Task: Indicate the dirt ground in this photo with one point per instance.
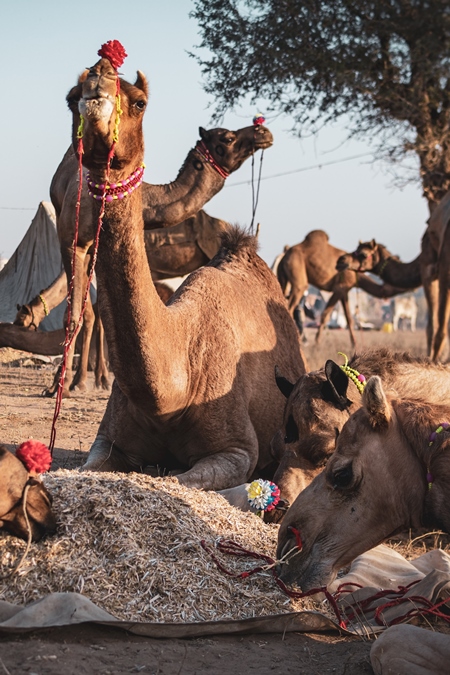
(87, 649)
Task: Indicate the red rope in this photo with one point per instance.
(69, 338)
(352, 611)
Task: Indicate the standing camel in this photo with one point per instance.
(313, 261)
(218, 153)
(371, 256)
(194, 388)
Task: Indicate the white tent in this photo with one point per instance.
(34, 265)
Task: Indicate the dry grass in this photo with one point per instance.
(131, 544)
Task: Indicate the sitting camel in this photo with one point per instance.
(371, 256)
(390, 472)
(320, 402)
(20, 488)
(313, 261)
(218, 153)
(194, 388)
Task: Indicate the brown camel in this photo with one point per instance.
(218, 153)
(390, 472)
(320, 402)
(181, 249)
(31, 314)
(194, 388)
(371, 256)
(313, 261)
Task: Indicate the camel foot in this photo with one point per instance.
(103, 383)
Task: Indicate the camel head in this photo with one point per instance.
(230, 149)
(373, 486)
(363, 259)
(18, 485)
(24, 317)
(316, 409)
(94, 99)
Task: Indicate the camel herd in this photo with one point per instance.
(211, 383)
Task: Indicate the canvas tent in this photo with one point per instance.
(34, 265)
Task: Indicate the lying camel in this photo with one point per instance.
(320, 402)
(371, 256)
(313, 261)
(19, 486)
(390, 472)
(193, 388)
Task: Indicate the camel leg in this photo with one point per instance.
(79, 381)
(444, 299)
(326, 315)
(101, 370)
(220, 471)
(349, 319)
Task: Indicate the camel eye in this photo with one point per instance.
(342, 477)
(140, 105)
(291, 431)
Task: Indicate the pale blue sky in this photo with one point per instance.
(45, 45)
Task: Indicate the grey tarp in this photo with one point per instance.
(380, 568)
(34, 265)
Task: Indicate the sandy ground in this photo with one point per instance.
(24, 413)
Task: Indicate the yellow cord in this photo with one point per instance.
(353, 375)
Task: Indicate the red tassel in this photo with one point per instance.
(35, 456)
(114, 52)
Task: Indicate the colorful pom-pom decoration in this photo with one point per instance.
(263, 495)
(114, 52)
(258, 119)
(35, 456)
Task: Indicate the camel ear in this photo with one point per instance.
(376, 404)
(204, 135)
(373, 243)
(18, 307)
(283, 384)
(141, 82)
(334, 389)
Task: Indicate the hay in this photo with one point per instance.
(131, 544)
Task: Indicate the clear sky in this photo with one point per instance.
(45, 44)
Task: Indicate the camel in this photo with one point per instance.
(32, 313)
(313, 261)
(218, 153)
(410, 650)
(21, 487)
(404, 308)
(320, 402)
(370, 256)
(181, 249)
(194, 389)
(390, 472)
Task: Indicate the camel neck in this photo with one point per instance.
(197, 182)
(134, 316)
(397, 273)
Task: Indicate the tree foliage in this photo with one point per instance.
(385, 64)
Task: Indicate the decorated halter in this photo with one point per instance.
(263, 495)
(116, 54)
(433, 436)
(258, 120)
(353, 375)
(111, 191)
(205, 154)
(44, 304)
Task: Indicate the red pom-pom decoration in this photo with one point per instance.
(258, 119)
(114, 52)
(35, 456)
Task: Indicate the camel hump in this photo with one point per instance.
(235, 241)
(316, 236)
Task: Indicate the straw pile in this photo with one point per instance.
(131, 544)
